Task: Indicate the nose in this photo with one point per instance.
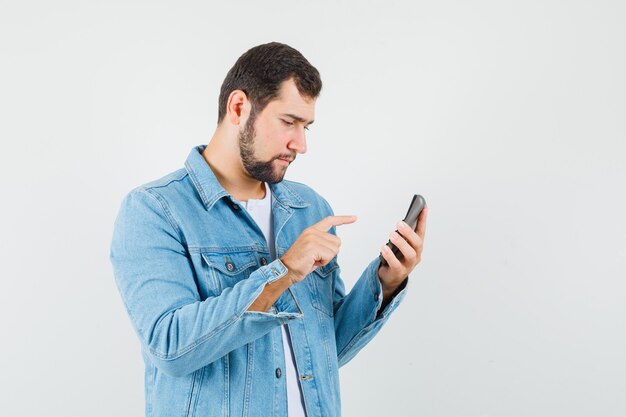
(298, 141)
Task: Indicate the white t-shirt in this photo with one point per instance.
(261, 212)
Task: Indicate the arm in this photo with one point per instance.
(179, 331)
(271, 293)
(360, 314)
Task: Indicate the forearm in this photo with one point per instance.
(271, 293)
(182, 333)
(179, 329)
(361, 313)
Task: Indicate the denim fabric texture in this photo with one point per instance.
(188, 261)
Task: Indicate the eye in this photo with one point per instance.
(287, 123)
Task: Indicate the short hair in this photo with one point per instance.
(261, 70)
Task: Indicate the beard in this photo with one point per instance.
(260, 170)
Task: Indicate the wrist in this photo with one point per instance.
(390, 291)
(291, 276)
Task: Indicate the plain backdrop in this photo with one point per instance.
(509, 117)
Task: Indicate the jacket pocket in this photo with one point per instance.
(223, 270)
(322, 288)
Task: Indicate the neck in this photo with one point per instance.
(222, 156)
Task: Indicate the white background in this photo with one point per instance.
(507, 116)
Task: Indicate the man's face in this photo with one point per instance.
(270, 140)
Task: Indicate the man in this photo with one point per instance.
(229, 273)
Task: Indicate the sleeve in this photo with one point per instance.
(153, 272)
(357, 315)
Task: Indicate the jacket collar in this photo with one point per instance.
(210, 190)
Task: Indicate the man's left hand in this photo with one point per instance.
(410, 242)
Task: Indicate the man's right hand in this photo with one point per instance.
(314, 247)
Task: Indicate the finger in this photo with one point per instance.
(327, 222)
(324, 256)
(421, 223)
(408, 234)
(391, 259)
(330, 242)
(407, 251)
(317, 241)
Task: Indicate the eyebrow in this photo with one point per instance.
(298, 118)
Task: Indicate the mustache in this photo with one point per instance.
(290, 158)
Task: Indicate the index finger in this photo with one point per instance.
(330, 221)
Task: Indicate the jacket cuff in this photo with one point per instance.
(274, 270)
(286, 308)
(377, 291)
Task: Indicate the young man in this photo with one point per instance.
(229, 273)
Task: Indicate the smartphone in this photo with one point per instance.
(415, 208)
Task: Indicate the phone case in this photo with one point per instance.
(415, 208)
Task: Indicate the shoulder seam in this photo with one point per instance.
(155, 184)
(168, 214)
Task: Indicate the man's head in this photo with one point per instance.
(270, 94)
(260, 72)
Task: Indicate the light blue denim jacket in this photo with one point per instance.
(189, 261)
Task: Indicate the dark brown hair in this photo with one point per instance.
(260, 72)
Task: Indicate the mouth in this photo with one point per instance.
(285, 161)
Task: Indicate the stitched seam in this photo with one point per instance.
(228, 249)
(353, 341)
(231, 274)
(168, 214)
(196, 183)
(209, 335)
(193, 345)
(189, 400)
(249, 375)
(155, 184)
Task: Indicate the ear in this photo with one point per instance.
(237, 107)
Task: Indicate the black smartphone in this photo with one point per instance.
(415, 208)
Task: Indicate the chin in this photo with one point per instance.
(278, 178)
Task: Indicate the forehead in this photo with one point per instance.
(289, 101)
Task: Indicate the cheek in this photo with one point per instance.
(273, 141)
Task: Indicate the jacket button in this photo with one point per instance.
(263, 260)
(230, 266)
(278, 372)
(233, 205)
